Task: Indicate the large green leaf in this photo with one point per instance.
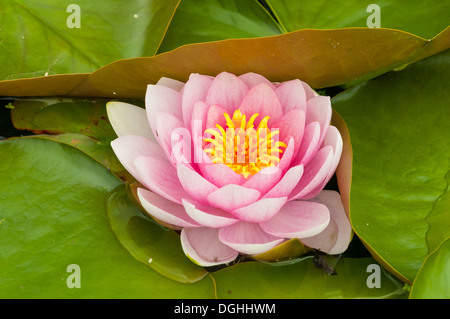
(305, 280)
(423, 18)
(212, 20)
(399, 128)
(53, 215)
(433, 279)
(37, 37)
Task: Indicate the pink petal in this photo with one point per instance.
(160, 177)
(226, 90)
(215, 116)
(298, 219)
(203, 247)
(160, 98)
(292, 96)
(287, 155)
(292, 125)
(198, 127)
(195, 184)
(171, 83)
(309, 144)
(319, 110)
(260, 210)
(252, 79)
(334, 140)
(247, 238)
(232, 197)
(173, 134)
(337, 236)
(129, 147)
(221, 175)
(129, 119)
(265, 179)
(309, 92)
(194, 91)
(207, 215)
(262, 99)
(315, 172)
(285, 186)
(165, 210)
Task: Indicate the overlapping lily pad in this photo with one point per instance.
(48, 37)
(398, 127)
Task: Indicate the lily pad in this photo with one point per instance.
(305, 280)
(53, 217)
(433, 279)
(79, 37)
(398, 128)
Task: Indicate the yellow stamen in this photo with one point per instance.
(243, 148)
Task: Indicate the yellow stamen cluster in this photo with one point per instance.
(243, 148)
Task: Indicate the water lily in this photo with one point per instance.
(237, 163)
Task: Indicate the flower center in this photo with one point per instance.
(243, 148)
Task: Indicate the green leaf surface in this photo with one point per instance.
(40, 38)
(305, 280)
(153, 245)
(433, 279)
(53, 215)
(399, 128)
(423, 18)
(82, 123)
(213, 20)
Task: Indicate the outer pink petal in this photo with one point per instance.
(310, 93)
(195, 184)
(194, 91)
(198, 127)
(203, 247)
(169, 127)
(248, 238)
(315, 173)
(292, 125)
(309, 144)
(207, 215)
(160, 98)
(292, 96)
(232, 197)
(298, 219)
(265, 179)
(129, 119)
(319, 110)
(251, 79)
(171, 83)
(337, 236)
(285, 186)
(334, 140)
(226, 90)
(165, 210)
(262, 99)
(221, 175)
(129, 147)
(160, 177)
(260, 210)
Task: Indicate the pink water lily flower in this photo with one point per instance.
(237, 163)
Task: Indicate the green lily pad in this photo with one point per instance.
(213, 20)
(433, 279)
(82, 123)
(45, 37)
(423, 18)
(53, 217)
(398, 128)
(305, 280)
(153, 245)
